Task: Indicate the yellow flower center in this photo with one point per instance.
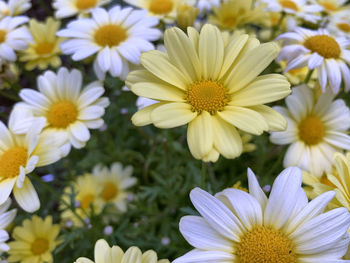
(40, 246)
(329, 6)
(311, 130)
(207, 95)
(62, 114)
(289, 4)
(263, 244)
(3, 34)
(12, 160)
(324, 45)
(324, 180)
(44, 48)
(86, 200)
(109, 191)
(85, 4)
(110, 35)
(230, 21)
(344, 27)
(161, 6)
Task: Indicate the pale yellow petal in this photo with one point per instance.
(143, 116)
(194, 37)
(172, 115)
(132, 255)
(200, 135)
(149, 257)
(274, 119)
(157, 91)
(244, 119)
(212, 156)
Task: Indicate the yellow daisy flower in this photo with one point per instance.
(211, 87)
(34, 241)
(114, 183)
(234, 13)
(106, 254)
(87, 192)
(44, 49)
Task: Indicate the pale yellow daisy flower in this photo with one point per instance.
(44, 49)
(114, 183)
(106, 254)
(211, 87)
(34, 241)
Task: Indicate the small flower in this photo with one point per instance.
(67, 8)
(118, 36)
(186, 15)
(14, 7)
(13, 37)
(316, 130)
(69, 111)
(114, 183)
(44, 49)
(34, 241)
(212, 87)
(318, 50)
(235, 226)
(6, 218)
(333, 7)
(103, 254)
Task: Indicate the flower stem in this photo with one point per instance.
(308, 76)
(204, 175)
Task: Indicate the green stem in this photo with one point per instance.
(204, 175)
(276, 27)
(9, 96)
(308, 76)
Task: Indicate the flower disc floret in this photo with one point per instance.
(324, 45)
(3, 34)
(85, 4)
(110, 35)
(12, 160)
(288, 4)
(62, 114)
(40, 246)
(161, 6)
(311, 130)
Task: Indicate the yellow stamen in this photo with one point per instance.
(329, 6)
(263, 244)
(311, 130)
(160, 7)
(44, 48)
(86, 200)
(109, 191)
(62, 114)
(324, 45)
(110, 35)
(344, 27)
(289, 4)
(40, 246)
(12, 160)
(3, 34)
(85, 4)
(207, 95)
(230, 21)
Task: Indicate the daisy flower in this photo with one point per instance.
(20, 154)
(211, 87)
(34, 241)
(339, 25)
(239, 227)
(44, 49)
(234, 13)
(318, 50)
(118, 36)
(67, 8)
(299, 8)
(87, 193)
(6, 218)
(69, 111)
(13, 37)
(333, 7)
(316, 129)
(162, 9)
(14, 7)
(114, 183)
(106, 254)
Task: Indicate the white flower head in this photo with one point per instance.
(14, 7)
(68, 8)
(117, 36)
(13, 36)
(68, 109)
(319, 50)
(235, 226)
(316, 130)
(6, 217)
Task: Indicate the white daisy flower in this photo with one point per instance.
(68, 8)
(339, 25)
(241, 227)
(317, 128)
(6, 218)
(333, 7)
(14, 7)
(69, 111)
(299, 8)
(118, 36)
(20, 154)
(318, 50)
(12, 37)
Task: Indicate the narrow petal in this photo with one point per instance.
(27, 197)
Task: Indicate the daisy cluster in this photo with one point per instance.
(113, 112)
